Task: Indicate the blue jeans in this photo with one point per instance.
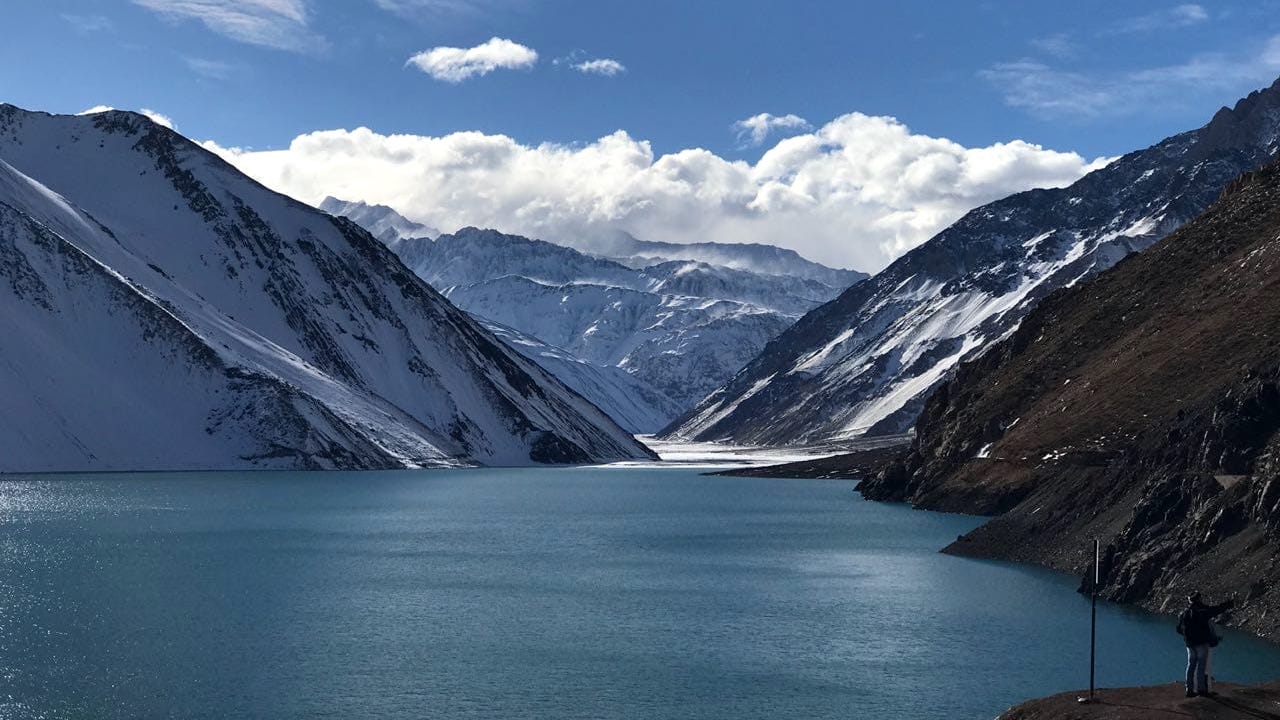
(1197, 666)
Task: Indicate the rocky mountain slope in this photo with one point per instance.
(162, 311)
(1143, 408)
(678, 327)
(865, 362)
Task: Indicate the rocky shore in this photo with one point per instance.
(1233, 702)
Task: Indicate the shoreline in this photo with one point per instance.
(990, 540)
(1154, 701)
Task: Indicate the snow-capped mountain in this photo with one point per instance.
(1140, 409)
(865, 362)
(679, 327)
(161, 311)
(751, 257)
(386, 224)
(623, 396)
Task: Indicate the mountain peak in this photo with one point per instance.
(1253, 121)
(865, 362)
(167, 312)
(384, 222)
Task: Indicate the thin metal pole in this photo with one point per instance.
(1093, 620)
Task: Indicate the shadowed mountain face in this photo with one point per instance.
(865, 362)
(1141, 407)
(163, 311)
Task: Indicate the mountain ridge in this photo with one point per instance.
(865, 362)
(1138, 408)
(379, 370)
(677, 327)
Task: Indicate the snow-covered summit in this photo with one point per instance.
(163, 311)
(865, 362)
(679, 327)
(752, 257)
(385, 223)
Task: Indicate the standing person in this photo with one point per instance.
(1195, 625)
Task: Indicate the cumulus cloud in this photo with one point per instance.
(279, 24)
(156, 117)
(454, 65)
(753, 131)
(600, 66)
(1051, 92)
(857, 192)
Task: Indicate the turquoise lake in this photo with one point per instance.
(547, 593)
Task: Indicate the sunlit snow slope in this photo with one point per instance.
(161, 311)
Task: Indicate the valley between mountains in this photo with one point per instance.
(1089, 361)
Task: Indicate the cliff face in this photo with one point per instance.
(1141, 407)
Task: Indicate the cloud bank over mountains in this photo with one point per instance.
(857, 192)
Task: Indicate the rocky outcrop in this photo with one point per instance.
(1142, 408)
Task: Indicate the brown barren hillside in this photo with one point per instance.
(1141, 407)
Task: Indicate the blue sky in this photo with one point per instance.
(1094, 78)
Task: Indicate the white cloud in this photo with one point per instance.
(600, 66)
(280, 24)
(1178, 16)
(857, 192)
(754, 130)
(1051, 93)
(156, 117)
(454, 65)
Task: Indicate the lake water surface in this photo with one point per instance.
(582, 593)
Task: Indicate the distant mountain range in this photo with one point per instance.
(384, 223)
(865, 362)
(162, 311)
(678, 319)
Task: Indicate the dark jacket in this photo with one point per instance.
(1194, 625)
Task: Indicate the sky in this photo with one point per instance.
(849, 131)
